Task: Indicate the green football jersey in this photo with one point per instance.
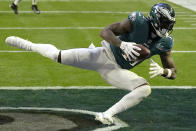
(141, 32)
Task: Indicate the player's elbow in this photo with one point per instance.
(104, 33)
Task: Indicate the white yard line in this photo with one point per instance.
(117, 122)
(74, 28)
(175, 51)
(17, 51)
(182, 15)
(86, 87)
(190, 21)
(13, 51)
(78, 0)
(183, 18)
(184, 28)
(50, 28)
(73, 12)
(86, 12)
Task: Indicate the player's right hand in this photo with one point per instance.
(129, 49)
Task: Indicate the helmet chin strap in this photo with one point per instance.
(158, 32)
(161, 35)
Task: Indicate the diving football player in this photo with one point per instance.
(118, 54)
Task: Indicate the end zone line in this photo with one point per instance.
(75, 28)
(15, 51)
(85, 87)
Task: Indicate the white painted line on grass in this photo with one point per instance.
(9, 51)
(86, 87)
(184, 28)
(73, 0)
(117, 122)
(175, 51)
(74, 12)
(13, 51)
(87, 12)
(74, 28)
(182, 15)
(185, 18)
(191, 21)
(50, 28)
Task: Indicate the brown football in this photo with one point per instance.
(144, 52)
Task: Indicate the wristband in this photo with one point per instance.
(169, 73)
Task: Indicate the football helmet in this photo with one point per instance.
(162, 18)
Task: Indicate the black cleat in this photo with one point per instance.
(35, 9)
(14, 8)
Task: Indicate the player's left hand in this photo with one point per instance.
(155, 69)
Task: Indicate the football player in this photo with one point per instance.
(118, 54)
(14, 6)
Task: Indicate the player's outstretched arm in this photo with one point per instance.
(168, 70)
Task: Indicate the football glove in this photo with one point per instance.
(129, 49)
(155, 69)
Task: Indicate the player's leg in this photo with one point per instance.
(86, 58)
(46, 50)
(127, 80)
(34, 7)
(14, 6)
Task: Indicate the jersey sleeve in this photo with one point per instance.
(165, 44)
(137, 19)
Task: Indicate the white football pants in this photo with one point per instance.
(102, 60)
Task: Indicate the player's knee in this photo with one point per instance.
(143, 91)
(47, 50)
(54, 55)
(147, 90)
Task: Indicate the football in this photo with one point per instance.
(144, 52)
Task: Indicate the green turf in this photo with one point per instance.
(30, 69)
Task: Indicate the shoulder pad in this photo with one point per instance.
(137, 16)
(165, 44)
(138, 19)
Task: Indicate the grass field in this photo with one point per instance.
(60, 24)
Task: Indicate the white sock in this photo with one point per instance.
(34, 2)
(46, 50)
(16, 2)
(131, 99)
